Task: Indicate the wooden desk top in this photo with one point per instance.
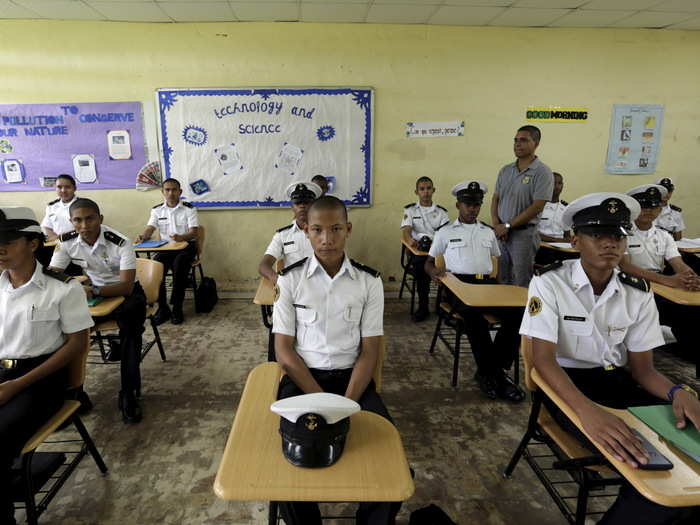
(106, 307)
(558, 247)
(677, 487)
(171, 246)
(677, 295)
(689, 250)
(373, 466)
(265, 295)
(485, 294)
(411, 249)
(51, 243)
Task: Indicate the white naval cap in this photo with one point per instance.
(614, 211)
(470, 191)
(331, 407)
(649, 195)
(16, 221)
(303, 191)
(666, 182)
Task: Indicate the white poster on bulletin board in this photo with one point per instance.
(635, 138)
(233, 148)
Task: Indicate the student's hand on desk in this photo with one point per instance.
(8, 390)
(439, 274)
(177, 237)
(613, 435)
(139, 239)
(691, 281)
(686, 405)
(501, 231)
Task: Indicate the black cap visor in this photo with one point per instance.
(11, 235)
(601, 229)
(471, 198)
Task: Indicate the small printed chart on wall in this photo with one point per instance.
(635, 138)
(100, 143)
(241, 148)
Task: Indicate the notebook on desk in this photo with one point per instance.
(660, 419)
(150, 244)
(94, 301)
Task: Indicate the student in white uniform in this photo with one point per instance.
(648, 250)
(57, 218)
(593, 330)
(322, 183)
(327, 321)
(670, 219)
(109, 260)
(177, 221)
(44, 323)
(420, 222)
(550, 225)
(289, 242)
(467, 246)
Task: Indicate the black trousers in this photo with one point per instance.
(181, 263)
(130, 317)
(21, 417)
(617, 389)
(681, 318)
(490, 356)
(308, 513)
(422, 279)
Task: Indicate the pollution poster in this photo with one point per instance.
(635, 138)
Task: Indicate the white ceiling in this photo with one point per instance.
(658, 14)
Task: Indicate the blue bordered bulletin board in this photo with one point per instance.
(241, 148)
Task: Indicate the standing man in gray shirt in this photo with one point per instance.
(522, 189)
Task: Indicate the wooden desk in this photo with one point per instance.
(373, 466)
(265, 295)
(491, 295)
(52, 243)
(106, 307)
(558, 247)
(677, 295)
(414, 251)
(677, 487)
(172, 246)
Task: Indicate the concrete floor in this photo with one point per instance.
(162, 470)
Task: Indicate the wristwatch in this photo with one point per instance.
(507, 225)
(95, 291)
(680, 386)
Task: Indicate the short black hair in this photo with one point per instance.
(534, 131)
(67, 177)
(84, 203)
(328, 202)
(319, 177)
(558, 175)
(424, 179)
(175, 181)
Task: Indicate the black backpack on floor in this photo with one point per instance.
(205, 297)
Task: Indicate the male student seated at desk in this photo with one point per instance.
(467, 246)
(177, 221)
(327, 320)
(593, 330)
(648, 249)
(420, 220)
(670, 218)
(550, 226)
(290, 242)
(44, 323)
(109, 260)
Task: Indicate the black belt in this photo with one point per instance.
(330, 373)
(24, 364)
(471, 277)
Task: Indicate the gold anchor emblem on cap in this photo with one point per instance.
(612, 207)
(311, 422)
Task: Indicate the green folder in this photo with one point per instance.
(94, 301)
(661, 419)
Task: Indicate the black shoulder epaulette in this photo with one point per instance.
(443, 209)
(486, 224)
(297, 264)
(549, 267)
(67, 236)
(443, 224)
(564, 203)
(187, 204)
(54, 201)
(157, 206)
(635, 282)
(409, 205)
(113, 237)
(285, 228)
(57, 275)
(675, 208)
(371, 271)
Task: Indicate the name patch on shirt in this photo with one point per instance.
(455, 240)
(288, 243)
(162, 218)
(573, 318)
(419, 217)
(635, 245)
(295, 305)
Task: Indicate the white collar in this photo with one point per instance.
(178, 205)
(457, 222)
(100, 239)
(38, 279)
(67, 204)
(347, 266)
(581, 281)
(429, 208)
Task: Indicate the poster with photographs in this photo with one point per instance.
(635, 138)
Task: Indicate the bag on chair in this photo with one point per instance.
(205, 297)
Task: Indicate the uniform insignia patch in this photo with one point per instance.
(54, 201)
(535, 305)
(526, 180)
(675, 208)
(311, 422)
(67, 236)
(613, 206)
(276, 291)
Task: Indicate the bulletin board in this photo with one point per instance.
(241, 148)
(100, 143)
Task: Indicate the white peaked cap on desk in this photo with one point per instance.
(332, 407)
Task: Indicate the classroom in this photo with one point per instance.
(476, 74)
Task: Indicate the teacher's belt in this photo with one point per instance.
(523, 227)
(26, 364)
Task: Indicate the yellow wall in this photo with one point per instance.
(486, 76)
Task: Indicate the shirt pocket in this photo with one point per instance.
(290, 247)
(486, 243)
(578, 326)
(352, 315)
(41, 320)
(308, 334)
(455, 244)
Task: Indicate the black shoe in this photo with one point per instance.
(162, 315)
(130, 407)
(178, 316)
(507, 389)
(487, 384)
(115, 349)
(421, 314)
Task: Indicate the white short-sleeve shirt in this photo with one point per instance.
(550, 220)
(467, 248)
(171, 221)
(36, 317)
(651, 248)
(424, 220)
(670, 219)
(327, 316)
(102, 262)
(57, 216)
(590, 332)
(290, 244)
